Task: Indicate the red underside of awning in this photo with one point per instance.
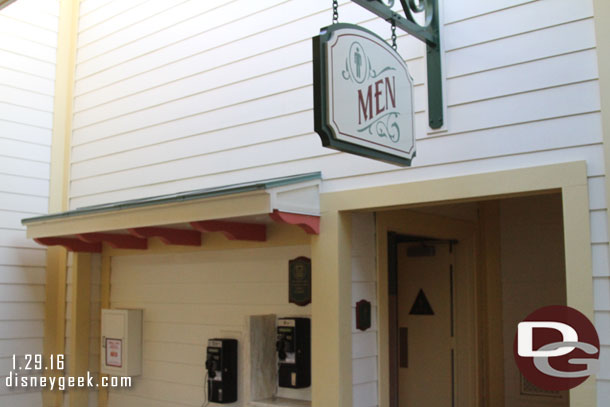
(137, 238)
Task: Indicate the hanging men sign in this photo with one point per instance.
(363, 95)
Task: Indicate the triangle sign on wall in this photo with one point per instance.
(421, 306)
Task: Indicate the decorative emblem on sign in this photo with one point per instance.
(363, 95)
(385, 125)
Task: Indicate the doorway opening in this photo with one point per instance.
(459, 279)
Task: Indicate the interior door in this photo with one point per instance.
(425, 314)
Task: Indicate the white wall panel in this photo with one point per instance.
(12, 204)
(23, 311)
(599, 231)
(28, 38)
(24, 133)
(531, 16)
(28, 64)
(521, 48)
(27, 81)
(604, 363)
(25, 150)
(365, 395)
(22, 28)
(97, 123)
(602, 323)
(597, 197)
(98, 19)
(25, 168)
(455, 12)
(23, 46)
(219, 46)
(540, 74)
(25, 115)
(364, 286)
(599, 253)
(434, 151)
(603, 392)
(601, 288)
(178, 23)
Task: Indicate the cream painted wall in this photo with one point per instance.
(188, 298)
(28, 40)
(533, 276)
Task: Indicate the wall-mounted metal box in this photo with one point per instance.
(121, 347)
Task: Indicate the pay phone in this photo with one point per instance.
(293, 352)
(221, 364)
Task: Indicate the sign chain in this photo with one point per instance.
(335, 11)
(394, 46)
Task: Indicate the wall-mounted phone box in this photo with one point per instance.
(221, 364)
(121, 347)
(294, 352)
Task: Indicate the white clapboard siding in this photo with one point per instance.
(28, 64)
(569, 37)
(28, 38)
(27, 168)
(12, 204)
(17, 132)
(95, 12)
(220, 45)
(529, 17)
(125, 123)
(173, 96)
(441, 150)
(189, 298)
(178, 23)
(456, 12)
(20, 97)
(25, 47)
(364, 286)
(12, 26)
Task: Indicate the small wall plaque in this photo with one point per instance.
(363, 315)
(299, 281)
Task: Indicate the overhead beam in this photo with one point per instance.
(116, 240)
(72, 244)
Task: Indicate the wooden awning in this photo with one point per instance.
(239, 211)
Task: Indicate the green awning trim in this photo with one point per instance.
(181, 196)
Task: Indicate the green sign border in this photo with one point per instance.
(320, 102)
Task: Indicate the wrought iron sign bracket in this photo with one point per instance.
(428, 33)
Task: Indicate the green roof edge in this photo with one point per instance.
(181, 196)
